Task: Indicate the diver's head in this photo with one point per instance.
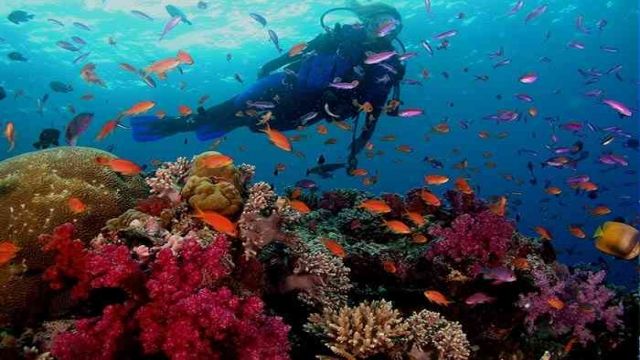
(381, 21)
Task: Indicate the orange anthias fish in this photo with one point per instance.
(419, 238)
(389, 266)
(436, 179)
(76, 205)
(552, 190)
(139, 108)
(533, 112)
(376, 206)
(122, 166)
(430, 198)
(588, 186)
(397, 227)
(404, 149)
(335, 248)
(184, 57)
(463, 186)
(543, 232)
(215, 161)
(577, 231)
(359, 172)
(437, 297)
(297, 49)
(322, 130)
(161, 67)
(555, 303)
(442, 128)
(218, 222)
(8, 251)
(300, 206)
(107, 129)
(500, 206)
(184, 110)
(416, 218)
(600, 210)
(277, 138)
(10, 135)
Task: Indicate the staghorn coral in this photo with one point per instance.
(432, 333)
(176, 306)
(473, 242)
(585, 302)
(370, 328)
(204, 194)
(35, 198)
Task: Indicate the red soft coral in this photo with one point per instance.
(473, 241)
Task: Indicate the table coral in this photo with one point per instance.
(35, 194)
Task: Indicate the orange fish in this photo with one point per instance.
(215, 161)
(600, 210)
(577, 231)
(543, 232)
(139, 108)
(359, 172)
(366, 107)
(8, 251)
(419, 238)
(107, 129)
(436, 179)
(569, 345)
(499, 207)
(88, 74)
(184, 110)
(297, 49)
(463, 186)
(442, 128)
(342, 125)
(483, 135)
(296, 193)
(389, 266)
(299, 206)
(322, 130)
(122, 166)
(10, 135)
(376, 206)
(416, 218)
(533, 112)
(184, 57)
(404, 149)
(277, 138)
(397, 227)
(552, 190)
(76, 205)
(588, 186)
(218, 222)
(369, 146)
(335, 248)
(555, 303)
(436, 297)
(430, 198)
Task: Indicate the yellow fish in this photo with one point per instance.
(618, 239)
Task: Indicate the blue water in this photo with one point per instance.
(225, 27)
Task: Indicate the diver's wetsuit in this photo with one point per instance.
(302, 88)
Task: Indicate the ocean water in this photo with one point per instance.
(450, 93)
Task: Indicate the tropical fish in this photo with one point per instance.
(175, 12)
(139, 108)
(618, 239)
(430, 198)
(19, 16)
(277, 138)
(82, 26)
(107, 129)
(436, 297)
(622, 109)
(259, 18)
(479, 298)
(375, 206)
(10, 134)
(172, 23)
(141, 15)
(215, 161)
(535, 13)
(76, 205)
(436, 179)
(499, 275)
(218, 222)
(121, 166)
(397, 227)
(299, 206)
(335, 248)
(78, 125)
(375, 58)
(543, 232)
(274, 39)
(88, 74)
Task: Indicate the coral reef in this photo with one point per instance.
(433, 334)
(222, 197)
(356, 333)
(36, 188)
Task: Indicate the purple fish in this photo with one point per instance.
(304, 119)
(374, 58)
(535, 13)
(67, 46)
(517, 7)
(528, 78)
(427, 46)
(446, 34)
(307, 184)
(389, 68)
(407, 55)
(609, 49)
(601, 24)
(262, 105)
(594, 93)
(77, 126)
(78, 40)
(407, 113)
(622, 109)
(386, 28)
(577, 179)
(479, 298)
(572, 126)
(524, 97)
(613, 159)
(81, 26)
(173, 22)
(500, 275)
(345, 85)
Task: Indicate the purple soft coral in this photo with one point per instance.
(584, 301)
(473, 241)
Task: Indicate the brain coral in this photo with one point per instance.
(34, 193)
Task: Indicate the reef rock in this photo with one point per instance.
(34, 192)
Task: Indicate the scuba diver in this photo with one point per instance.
(332, 78)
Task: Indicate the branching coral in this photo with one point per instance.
(473, 241)
(370, 328)
(169, 178)
(430, 332)
(570, 303)
(177, 306)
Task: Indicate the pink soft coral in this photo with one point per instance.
(178, 306)
(586, 301)
(473, 241)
